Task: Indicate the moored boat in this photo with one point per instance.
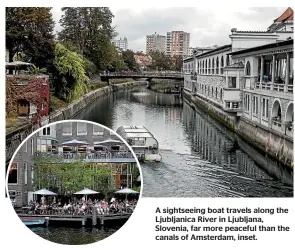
(33, 221)
(143, 143)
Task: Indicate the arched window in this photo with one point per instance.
(216, 93)
(212, 92)
(222, 65)
(206, 67)
(227, 60)
(209, 67)
(276, 111)
(248, 69)
(203, 68)
(212, 65)
(217, 66)
(220, 94)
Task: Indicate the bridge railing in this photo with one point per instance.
(144, 74)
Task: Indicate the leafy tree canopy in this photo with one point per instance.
(29, 32)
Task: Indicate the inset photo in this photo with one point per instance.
(74, 182)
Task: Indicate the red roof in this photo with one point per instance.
(287, 15)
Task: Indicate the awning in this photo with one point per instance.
(74, 143)
(107, 141)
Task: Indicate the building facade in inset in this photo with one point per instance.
(155, 42)
(121, 43)
(177, 43)
(67, 142)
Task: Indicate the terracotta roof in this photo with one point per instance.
(287, 15)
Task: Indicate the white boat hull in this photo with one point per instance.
(153, 157)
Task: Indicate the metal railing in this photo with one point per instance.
(100, 155)
(144, 74)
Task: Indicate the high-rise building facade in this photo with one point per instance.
(177, 43)
(121, 43)
(155, 42)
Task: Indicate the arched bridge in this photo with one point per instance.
(148, 75)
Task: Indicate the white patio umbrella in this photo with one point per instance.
(126, 191)
(44, 192)
(86, 191)
(75, 143)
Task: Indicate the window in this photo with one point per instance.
(81, 128)
(255, 105)
(247, 103)
(227, 60)
(97, 130)
(264, 108)
(217, 66)
(22, 82)
(248, 69)
(26, 146)
(232, 82)
(32, 176)
(222, 64)
(26, 172)
(46, 131)
(209, 67)
(67, 128)
(32, 146)
(12, 177)
(12, 194)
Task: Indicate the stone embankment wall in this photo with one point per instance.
(274, 144)
(80, 104)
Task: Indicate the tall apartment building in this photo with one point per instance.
(121, 43)
(177, 43)
(155, 42)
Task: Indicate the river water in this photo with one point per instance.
(74, 235)
(200, 157)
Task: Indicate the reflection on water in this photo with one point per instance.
(72, 235)
(200, 157)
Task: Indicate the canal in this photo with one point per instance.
(200, 157)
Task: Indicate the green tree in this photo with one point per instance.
(129, 60)
(90, 30)
(54, 174)
(160, 61)
(69, 76)
(29, 31)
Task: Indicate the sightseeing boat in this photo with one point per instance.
(143, 143)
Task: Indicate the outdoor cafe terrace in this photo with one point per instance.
(97, 157)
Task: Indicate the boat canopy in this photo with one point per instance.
(134, 132)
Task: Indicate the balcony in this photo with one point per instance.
(279, 87)
(234, 107)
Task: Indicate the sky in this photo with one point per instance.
(207, 25)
